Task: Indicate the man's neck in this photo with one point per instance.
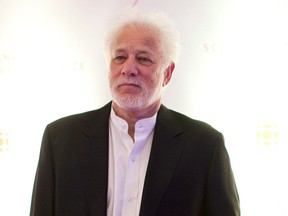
(131, 116)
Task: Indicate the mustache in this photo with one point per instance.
(129, 81)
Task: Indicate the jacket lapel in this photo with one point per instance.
(165, 152)
(94, 159)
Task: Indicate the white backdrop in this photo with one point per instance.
(231, 74)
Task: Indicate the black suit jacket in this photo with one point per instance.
(188, 173)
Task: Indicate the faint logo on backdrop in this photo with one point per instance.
(78, 66)
(7, 63)
(267, 134)
(4, 141)
(213, 47)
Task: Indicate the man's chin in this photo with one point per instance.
(130, 107)
(131, 104)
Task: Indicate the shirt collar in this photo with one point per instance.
(142, 125)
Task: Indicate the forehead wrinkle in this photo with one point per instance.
(134, 35)
(137, 41)
(136, 51)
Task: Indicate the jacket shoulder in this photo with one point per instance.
(188, 124)
(82, 120)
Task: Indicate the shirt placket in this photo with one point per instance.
(131, 186)
(131, 191)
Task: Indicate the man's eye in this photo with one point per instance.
(119, 59)
(144, 60)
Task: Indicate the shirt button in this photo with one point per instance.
(141, 128)
(133, 159)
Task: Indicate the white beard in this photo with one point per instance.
(136, 102)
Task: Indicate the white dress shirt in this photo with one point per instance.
(127, 164)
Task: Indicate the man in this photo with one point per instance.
(134, 156)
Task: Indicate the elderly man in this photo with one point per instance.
(134, 156)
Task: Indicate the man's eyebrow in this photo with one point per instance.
(142, 51)
(119, 50)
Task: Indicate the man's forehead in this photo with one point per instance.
(137, 32)
(144, 43)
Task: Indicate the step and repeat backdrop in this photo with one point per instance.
(232, 73)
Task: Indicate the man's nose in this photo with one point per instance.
(130, 67)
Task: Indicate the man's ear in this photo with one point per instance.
(168, 74)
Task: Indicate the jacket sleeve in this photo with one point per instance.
(221, 192)
(43, 192)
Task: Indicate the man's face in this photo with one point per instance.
(136, 76)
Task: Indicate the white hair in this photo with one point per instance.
(154, 21)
